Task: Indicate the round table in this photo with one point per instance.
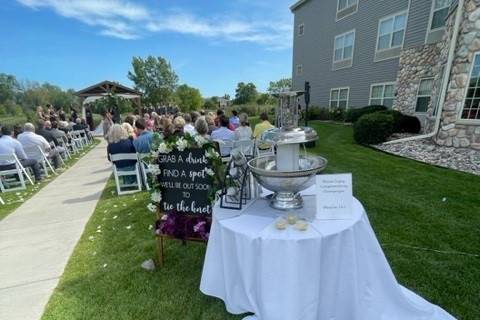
(336, 270)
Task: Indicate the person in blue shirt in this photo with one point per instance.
(144, 138)
(234, 121)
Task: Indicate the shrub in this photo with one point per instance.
(352, 115)
(410, 124)
(337, 114)
(318, 113)
(373, 128)
(397, 118)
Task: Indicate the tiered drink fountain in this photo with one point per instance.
(287, 172)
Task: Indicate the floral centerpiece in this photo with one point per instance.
(179, 224)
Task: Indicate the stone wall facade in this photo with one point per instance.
(415, 64)
(427, 61)
(453, 130)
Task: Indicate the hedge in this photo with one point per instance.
(373, 128)
(352, 115)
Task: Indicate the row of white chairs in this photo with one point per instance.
(16, 178)
(251, 147)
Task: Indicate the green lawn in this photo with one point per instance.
(405, 203)
(14, 199)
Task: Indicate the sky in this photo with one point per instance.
(211, 44)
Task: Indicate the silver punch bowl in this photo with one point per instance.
(286, 184)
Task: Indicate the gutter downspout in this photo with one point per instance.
(448, 69)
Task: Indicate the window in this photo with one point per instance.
(424, 95)
(391, 31)
(440, 9)
(472, 100)
(382, 94)
(301, 29)
(343, 47)
(344, 4)
(299, 69)
(339, 98)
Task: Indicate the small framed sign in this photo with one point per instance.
(334, 196)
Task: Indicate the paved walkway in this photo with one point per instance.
(37, 239)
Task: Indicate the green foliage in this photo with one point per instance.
(318, 113)
(155, 77)
(189, 99)
(210, 103)
(354, 114)
(410, 124)
(373, 128)
(278, 86)
(245, 93)
(397, 117)
(113, 101)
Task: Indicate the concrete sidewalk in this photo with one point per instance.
(37, 239)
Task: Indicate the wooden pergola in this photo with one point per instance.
(105, 88)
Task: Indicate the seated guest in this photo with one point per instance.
(217, 119)
(211, 123)
(58, 134)
(223, 134)
(262, 126)
(130, 120)
(63, 126)
(143, 142)
(30, 139)
(118, 142)
(148, 122)
(178, 125)
(234, 120)
(44, 131)
(188, 127)
(79, 125)
(243, 132)
(195, 115)
(8, 146)
(130, 130)
(201, 128)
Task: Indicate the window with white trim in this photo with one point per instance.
(382, 94)
(471, 106)
(440, 9)
(391, 31)
(339, 97)
(344, 4)
(424, 95)
(343, 47)
(299, 69)
(301, 29)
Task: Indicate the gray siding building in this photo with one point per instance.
(421, 57)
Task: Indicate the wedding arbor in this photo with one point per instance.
(106, 88)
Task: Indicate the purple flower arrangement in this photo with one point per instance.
(182, 226)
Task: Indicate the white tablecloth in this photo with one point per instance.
(334, 271)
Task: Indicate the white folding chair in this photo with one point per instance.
(226, 147)
(61, 152)
(9, 177)
(247, 147)
(119, 174)
(145, 170)
(264, 148)
(35, 152)
(76, 140)
(63, 142)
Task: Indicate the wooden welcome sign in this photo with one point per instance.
(186, 174)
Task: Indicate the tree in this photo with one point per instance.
(155, 78)
(245, 93)
(189, 99)
(210, 104)
(278, 86)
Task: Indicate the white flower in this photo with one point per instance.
(156, 197)
(164, 217)
(115, 217)
(200, 140)
(210, 172)
(163, 148)
(128, 227)
(152, 207)
(154, 169)
(210, 154)
(182, 144)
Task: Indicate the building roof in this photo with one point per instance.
(297, 4)
(107, 87)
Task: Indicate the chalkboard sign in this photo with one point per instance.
(184, 182)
